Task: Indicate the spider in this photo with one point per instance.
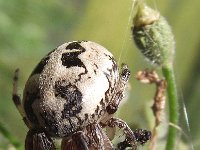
(72, 94)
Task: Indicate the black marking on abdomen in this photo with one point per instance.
(79, 76)
(50, 122)
(114, 64)
(39, 68)
(75, 45)
(70, 58)
(73, 98)
(29, 99)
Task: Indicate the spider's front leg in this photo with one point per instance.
(119, 90)
(117, 96)
(132, 138)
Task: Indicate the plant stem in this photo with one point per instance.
(173, 106)
(10, 137)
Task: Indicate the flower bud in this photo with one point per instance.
(153, 36)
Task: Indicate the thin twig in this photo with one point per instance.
(151, 77)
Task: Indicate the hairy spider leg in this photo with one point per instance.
(129, 134)
(93, 138)
(16, 98)
(77, 141)
(116, 99)
(119, 90)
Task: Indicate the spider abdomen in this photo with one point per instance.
(70, 88)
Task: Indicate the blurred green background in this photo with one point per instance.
(30, 29)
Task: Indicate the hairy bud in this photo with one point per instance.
(153, 36)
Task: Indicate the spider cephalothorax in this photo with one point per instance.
(72, 94)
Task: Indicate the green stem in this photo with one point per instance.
(173, 106)
(10, 137)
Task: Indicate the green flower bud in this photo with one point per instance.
(153, 36)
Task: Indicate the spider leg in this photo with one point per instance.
(119, 90)
(129, 134)
(77, 141)
(93, 138)
(117, 93)
(116, 99)
(38, 140)
(142, 136)
(110, 132)
(98, 140)
(16, 98)
(131, 138)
